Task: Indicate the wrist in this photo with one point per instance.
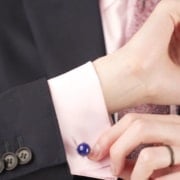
(120, 82)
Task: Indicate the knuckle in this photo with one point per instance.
(140, 125)
(146, 157)
(131, 116)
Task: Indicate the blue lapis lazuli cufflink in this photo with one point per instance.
(83, 149)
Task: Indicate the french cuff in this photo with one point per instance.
(82, 117)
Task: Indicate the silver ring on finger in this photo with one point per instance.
(171, 152)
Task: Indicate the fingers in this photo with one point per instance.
(174, 176)
(103, 144)
(126, 174)
(157, 174)
(151, 159)
(165, 171)
(142, 132)
(133, 130)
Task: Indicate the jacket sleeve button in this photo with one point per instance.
(24, 155)
(10, 161)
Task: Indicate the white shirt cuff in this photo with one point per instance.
(82, 117)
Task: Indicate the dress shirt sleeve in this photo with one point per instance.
(82, 117)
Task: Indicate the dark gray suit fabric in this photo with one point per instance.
(39, 40)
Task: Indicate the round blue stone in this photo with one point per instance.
(83, 149)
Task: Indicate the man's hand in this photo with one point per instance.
(146, 69)
(153, 160)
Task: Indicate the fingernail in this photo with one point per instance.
(95, 152)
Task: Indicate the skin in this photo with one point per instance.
(133, 130)
(142, 71)
(149, 73)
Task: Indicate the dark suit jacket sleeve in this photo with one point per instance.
(26, 111)
(34, 38)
